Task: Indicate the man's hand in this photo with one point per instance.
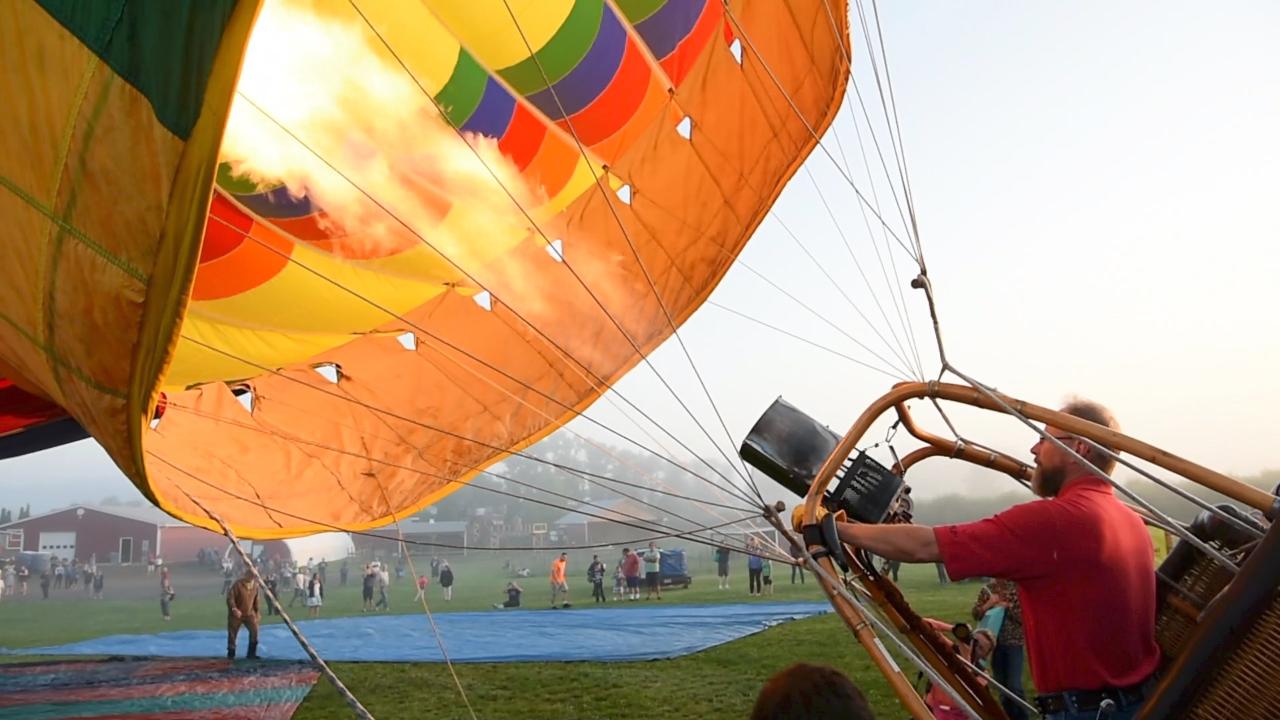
(236, 612)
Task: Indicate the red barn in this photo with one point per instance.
(108, 535)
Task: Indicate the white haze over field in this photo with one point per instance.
(1096, 191)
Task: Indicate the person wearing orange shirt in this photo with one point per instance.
(560, 581)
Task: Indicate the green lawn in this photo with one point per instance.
(718, 683)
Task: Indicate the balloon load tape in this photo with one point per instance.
(791, 447)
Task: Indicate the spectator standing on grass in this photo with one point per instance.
(631, 571)
(24, 574)
(10, 580)
(226, 576)
(342, 574)
(560, 579)
(755, 565)
(797, 568)
(366, 588)
(243, 610)
(999, 598)
(97, 585)
(315, 595)
(446, 579)
(57, 574)
(166, 597)
(653, 571)
(383, 579)
(44, 584)
(322, 568)
(618, 581)
(722, 567)
(271, 588)
(766, 575)
(422, 589)
(595, 573)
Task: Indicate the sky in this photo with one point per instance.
(1095, 190)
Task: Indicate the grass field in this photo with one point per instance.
(718, 683)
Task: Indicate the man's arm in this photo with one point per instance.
(906, 543)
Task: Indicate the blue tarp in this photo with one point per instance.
(671, 563)
(610, 634)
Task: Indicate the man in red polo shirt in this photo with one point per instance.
(1083, 564)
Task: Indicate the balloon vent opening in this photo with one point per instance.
(408, 341)
(485, 300)
(328, 371)
(556, 250)
(244, 396)
(684, 128)
(735, 49)
(624, 194)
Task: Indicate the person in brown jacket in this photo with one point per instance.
(242, 609)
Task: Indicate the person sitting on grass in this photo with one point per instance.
(810, 692)
(513, 596)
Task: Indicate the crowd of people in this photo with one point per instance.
(65, 574)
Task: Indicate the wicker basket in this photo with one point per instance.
(1246, 685)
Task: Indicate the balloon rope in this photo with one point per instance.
(644, 270)
(690, 535)
(617, 324)
(740, 32)
(311, 652)
(895, 290)
(838, 588)
(431, 619)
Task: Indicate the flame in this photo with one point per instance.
(319, 110)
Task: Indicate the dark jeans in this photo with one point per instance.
(797, 569)
(597, 590)
(1006, 668)
(942, 574)
(753, 580)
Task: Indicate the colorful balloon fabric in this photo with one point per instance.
(316, 264)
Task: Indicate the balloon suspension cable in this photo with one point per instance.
(745, 472)
(771, 513)
(1181, 532)
(690, 535)
(381, 412)
(425, 242)
(922, 282)
(431, 619)
(319, 662)
(1183, 494)
(991, 680)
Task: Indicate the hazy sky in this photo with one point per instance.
(1096, 190)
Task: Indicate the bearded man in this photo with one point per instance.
(1083, 564)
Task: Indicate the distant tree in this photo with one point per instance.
(24, 512)
(5, 516)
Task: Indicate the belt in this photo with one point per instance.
(1086, 700)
